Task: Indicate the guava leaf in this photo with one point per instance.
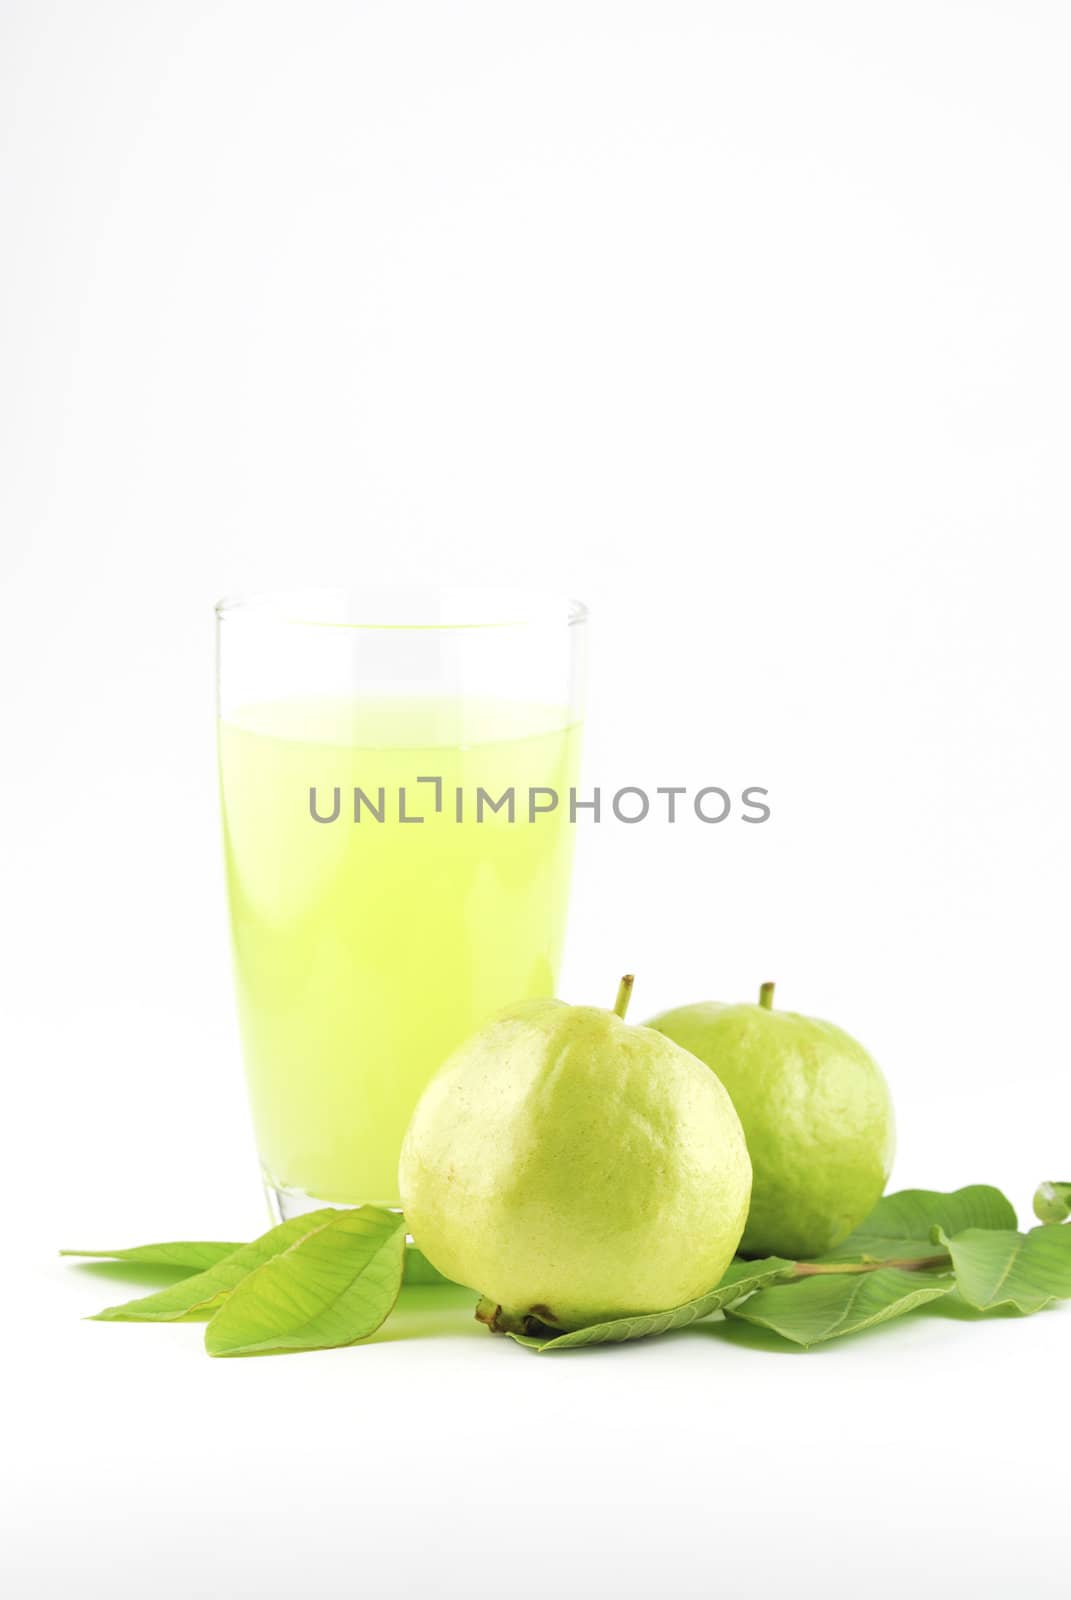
(1052, 1202)
(900, 1227)
(197, 1295)
(1025, 1270)
(820, 1308)
(333, 1286)
(419, 1270)
(741, 1278)
(197, 1255)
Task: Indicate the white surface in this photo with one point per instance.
(750, 326)
(916, 1459)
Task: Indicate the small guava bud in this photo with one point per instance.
(1052, 1202)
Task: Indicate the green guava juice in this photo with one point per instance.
(367, 943)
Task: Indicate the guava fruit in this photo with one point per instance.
(816, 1114)
(572, 1167)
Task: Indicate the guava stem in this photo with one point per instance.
(766, 996)
(529, 1323)
(624, 995)
(814, 1269)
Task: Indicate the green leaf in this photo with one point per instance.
(196, 1255)
(195, 1296)
(820, 1308)
(1052, 1202)
(742, 1278)
(419, 1270)
(1025, 1270)
(333, 1286)
(900, 1227)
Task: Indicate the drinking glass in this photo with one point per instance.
(395, 774)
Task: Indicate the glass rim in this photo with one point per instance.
(291, 608)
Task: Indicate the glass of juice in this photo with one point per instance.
(395, 775)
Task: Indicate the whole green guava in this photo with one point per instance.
(574, 1168)
(816, 1114)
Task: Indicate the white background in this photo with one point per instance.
(748, 324)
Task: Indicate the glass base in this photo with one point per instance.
(286, 1203)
